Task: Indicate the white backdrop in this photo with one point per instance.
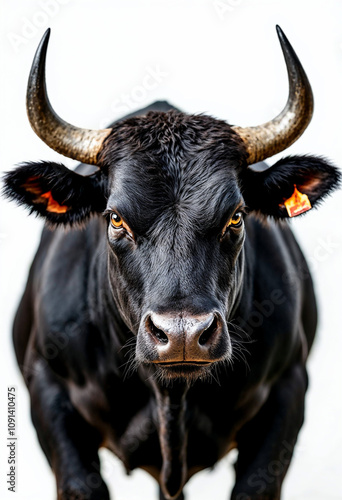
(215, 56)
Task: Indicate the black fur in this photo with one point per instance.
(80, 333)
(84, 195)
(266, 191)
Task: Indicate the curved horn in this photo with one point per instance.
(77, 143)
(278, 134)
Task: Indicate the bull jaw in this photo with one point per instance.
(172, 437)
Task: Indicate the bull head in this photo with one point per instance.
(174, 190)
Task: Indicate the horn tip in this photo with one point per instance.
(40, 55)
(42, 47)
(44, 40)
(281, 35)
(46, 35)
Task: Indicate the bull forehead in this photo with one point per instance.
(187, 199)
(164, 131)
(175, 165)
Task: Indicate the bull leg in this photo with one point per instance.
(266, 443)
(69, 442)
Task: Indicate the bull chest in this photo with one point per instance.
(131, 422)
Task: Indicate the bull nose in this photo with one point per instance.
(184, 338)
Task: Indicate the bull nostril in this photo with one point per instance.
(208, 332)
(156, 332)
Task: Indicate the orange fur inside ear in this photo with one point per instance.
(32, 186)
(53, 205)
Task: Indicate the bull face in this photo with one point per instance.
(175, 231)
(174, 190)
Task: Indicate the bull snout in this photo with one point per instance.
(184, 338)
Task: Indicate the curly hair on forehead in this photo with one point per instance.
(173, 133)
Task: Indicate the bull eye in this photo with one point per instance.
(236, 220)
(116, 220)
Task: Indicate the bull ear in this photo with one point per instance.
(53, 191)
(271, 191)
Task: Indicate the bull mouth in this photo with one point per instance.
(183, 363)
(189, 371)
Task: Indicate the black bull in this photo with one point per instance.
(175, 324)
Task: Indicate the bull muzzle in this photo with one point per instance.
(172, 339)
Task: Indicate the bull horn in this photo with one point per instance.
(278, 134)
(77, 143)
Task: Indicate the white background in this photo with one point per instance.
(224, 61)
